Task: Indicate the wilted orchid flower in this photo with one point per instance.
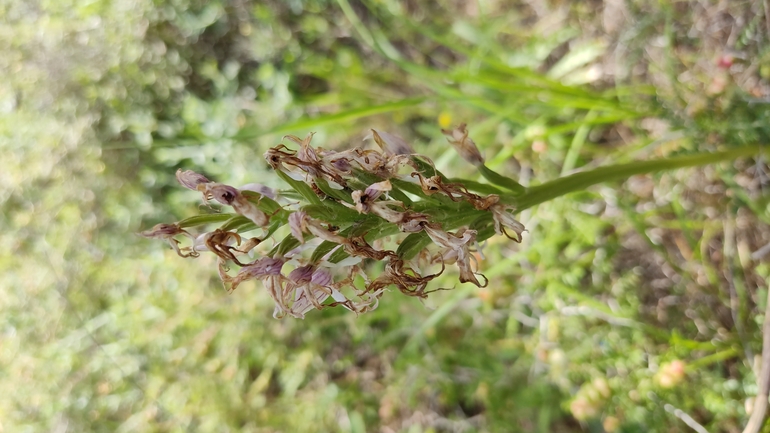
(467, 149)
(167, 232)
(221, 243)
(413, 222)
(311, 287)
(268, 270)
(408, 281)
(190, 179)
(300, 222)
(231, 196)
(224, 194)
(363, 200)
(310, 284)
(384, 165)
(305, 164)
(458, 245)
(367, 202)
(505, 220)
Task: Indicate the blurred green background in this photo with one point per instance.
(582, 327)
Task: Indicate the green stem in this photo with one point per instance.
(728, 353)
(580, 181)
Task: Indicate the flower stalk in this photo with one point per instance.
(363, 206)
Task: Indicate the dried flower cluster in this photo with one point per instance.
(360, 206)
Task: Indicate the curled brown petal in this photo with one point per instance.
(467, 149)
(167, 232)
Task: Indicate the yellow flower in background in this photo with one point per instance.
(444, 119)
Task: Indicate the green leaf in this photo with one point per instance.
(288, 243)
(301, 187)
(322, 250)
(264, 203)
(412, 245)
(501, 180)
(275, 224)
(238, 222)
(411, 188)
(198, 220)
(339, 194)
(339, 255)
(333, 213)
(367, 224)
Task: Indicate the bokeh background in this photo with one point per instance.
(624, 303)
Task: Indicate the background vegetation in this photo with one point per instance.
(624, 304)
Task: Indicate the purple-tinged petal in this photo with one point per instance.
(297, 225)
(321, 277)
(190, 179)
(302, 274)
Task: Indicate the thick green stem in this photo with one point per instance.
(580, 181)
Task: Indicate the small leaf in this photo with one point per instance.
(339, 255)
(339, 194)
(322, 250)
(198, 220)
(239, 223)
(409, 187)
(500, 180)
(301, 187)
(367, 224)
(287, 244)
(412, 245)
(332, 212)
(264, 203)
(275, 224)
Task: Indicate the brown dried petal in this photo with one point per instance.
(459, 244)
(467, 149)
(163, 231)
(505, 220)
(167, 232)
